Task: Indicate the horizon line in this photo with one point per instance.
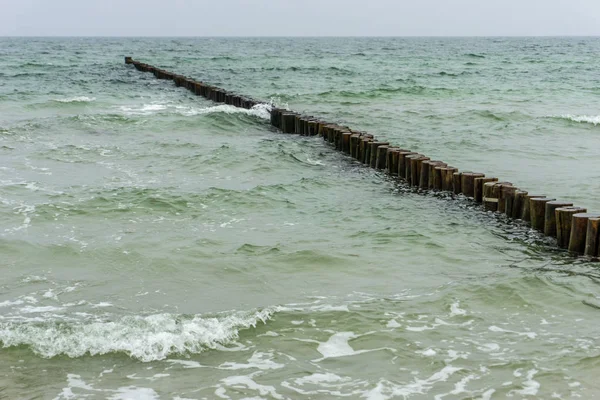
(297, 36)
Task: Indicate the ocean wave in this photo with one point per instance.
(77, 99)
(589, 119)
(148, 338)
(260, 110)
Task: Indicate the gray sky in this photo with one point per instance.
(299, 17)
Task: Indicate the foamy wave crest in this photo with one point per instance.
(148, 338)
(590, 119)
(262, 111)
(78, 99)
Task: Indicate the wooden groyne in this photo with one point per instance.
(573, 227)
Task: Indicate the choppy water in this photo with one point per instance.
(156, 245)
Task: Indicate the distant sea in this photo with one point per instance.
(155, 245)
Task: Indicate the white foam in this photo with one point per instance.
(393, 324)
(147, 338)
(530, 386)
(77, 99)
(388, 390)
(262, 111)
(530, 335)
(590, 119)
(261, 361)
(241, 382)
(455, 310)
(337, 345)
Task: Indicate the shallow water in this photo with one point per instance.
(157, 245)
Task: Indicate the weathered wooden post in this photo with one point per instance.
(564, 217)
(456, 182)
(402, 161)
(346, 142)
(381, 161)
(128, 60)
(526, 215)
(431, 179)
(579, 225)
(288, 122)
(550, 216)
(392, 161)
(354, 144)
(467, 183)
(592, 242)
(373, 152)
(415, 168)
(447, 175)
(537, 212)
(478, 187)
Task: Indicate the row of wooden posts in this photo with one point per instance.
(574, 228)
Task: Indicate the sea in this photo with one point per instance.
(156, 245)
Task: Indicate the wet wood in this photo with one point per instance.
(592, 240)
(478, 187)
(526, 208)
(426, 175)
(354, 144)
(564, 216)
(579, 228)
(518, 201)
(392, 161)
(432, 166)
(416, 166)
(467, 183)
(288, 122)
(373, 152)
(508, 199)
(537, 207)
(456, 182)
(447, 175)
(550, 216)
(345, 145)
(381, 160)
(402, 162)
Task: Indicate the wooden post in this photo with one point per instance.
(592, 240)
(537, 211)
(416, 169)
(508, 199)
(128, 60)
(550, 216)
(288, 122)
(579, 225)
(456, 182)
(408, 167)
(402, 161)
(490, 199)
(392, 161)
(364, 146)
(526, 215)
(564, 216)
(518, 203)
(354, 144)
(276, 117)
(381, 161)
(427, 168)
(447, 175)
(432, 173)
(478, 187)
(373, 152)
(467, 183)
(346, 142)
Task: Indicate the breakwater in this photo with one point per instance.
(573, 227)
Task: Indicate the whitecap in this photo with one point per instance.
(76, 99)
(146, 338)
(590, 119)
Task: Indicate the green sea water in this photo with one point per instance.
(155, 245)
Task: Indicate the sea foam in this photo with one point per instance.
(147, 338)
(589, 119)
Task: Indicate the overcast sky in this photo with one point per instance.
(299, 17)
